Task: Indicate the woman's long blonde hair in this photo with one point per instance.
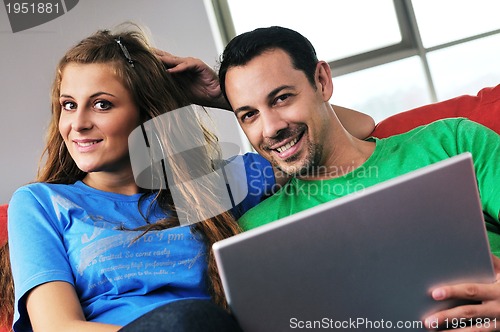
(154, 92)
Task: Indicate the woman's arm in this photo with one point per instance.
(54, 306)
(197, 79)
(358, 124)
(46, 298)
(203, 84)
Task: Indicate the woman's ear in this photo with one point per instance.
(324, 80)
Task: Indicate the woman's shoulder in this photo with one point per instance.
(40, 192)
(43, 189)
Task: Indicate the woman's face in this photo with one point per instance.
(97, 116)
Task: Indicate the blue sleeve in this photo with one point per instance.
(260, 182)
(37, 251)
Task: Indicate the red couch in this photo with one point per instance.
(3, 225)
(483, 108)
(5, 280)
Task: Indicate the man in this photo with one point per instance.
(280, 94)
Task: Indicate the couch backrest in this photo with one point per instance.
(483, 108)
(5, 291)
(3, 224)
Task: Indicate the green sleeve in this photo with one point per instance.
(484, 144)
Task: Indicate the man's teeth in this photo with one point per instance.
(287, 146)
(86, 143)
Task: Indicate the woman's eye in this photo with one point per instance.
(68, 105)
(103, 105)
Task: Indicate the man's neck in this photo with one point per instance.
(343, 158)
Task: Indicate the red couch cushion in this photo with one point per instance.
(3, 240)
(3, 224)
(483, 108)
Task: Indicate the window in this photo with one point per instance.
(381, 89)
(334, 16)
(442, 21)
(466, 67)
(386, 56)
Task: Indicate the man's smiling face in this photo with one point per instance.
(281, 113)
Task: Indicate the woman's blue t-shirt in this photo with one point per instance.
(81, 235)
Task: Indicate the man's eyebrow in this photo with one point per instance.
(274, 92)
(270, 96)
(242, 109)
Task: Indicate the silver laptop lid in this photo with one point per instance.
(363, 260)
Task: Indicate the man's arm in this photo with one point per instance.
(484, 316)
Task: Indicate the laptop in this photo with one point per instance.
(365, 261)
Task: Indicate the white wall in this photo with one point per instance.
(28, 60)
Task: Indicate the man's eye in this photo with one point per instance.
(247, 116)
(282, 98)
(68, 105)
(103, 105)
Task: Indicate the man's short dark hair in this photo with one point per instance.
(243, 48)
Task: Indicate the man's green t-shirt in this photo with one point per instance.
(395, 156)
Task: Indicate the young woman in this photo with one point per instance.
(90, 249)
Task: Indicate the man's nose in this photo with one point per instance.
(272, 123)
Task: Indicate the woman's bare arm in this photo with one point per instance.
(54, 306)
(358, 124)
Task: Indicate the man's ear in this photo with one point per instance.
(323, 77)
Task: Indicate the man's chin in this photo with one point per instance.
(292, 169)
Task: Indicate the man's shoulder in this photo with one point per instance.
(436, 131)
(450, 125)
(454, 130)
(453, 124)
(261, 214)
